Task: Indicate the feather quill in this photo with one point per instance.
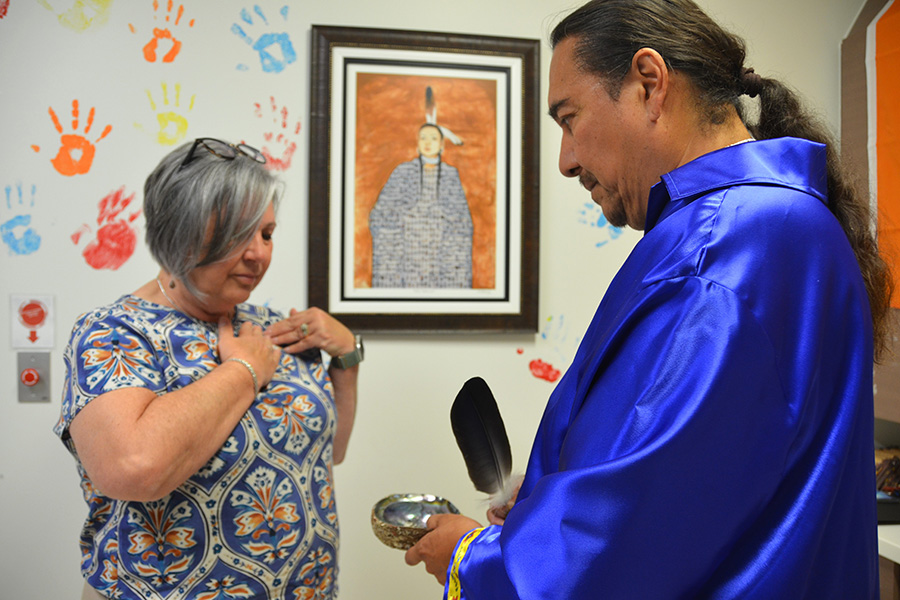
(431, 117)
(430, 107)
(481, 437)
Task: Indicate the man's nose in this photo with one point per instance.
(568, 165)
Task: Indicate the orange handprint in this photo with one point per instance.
(76, 152)
(165, 33)
(284, 140)
(116, 238)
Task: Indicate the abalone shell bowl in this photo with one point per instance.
(399, 520)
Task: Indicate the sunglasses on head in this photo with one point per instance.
(223, 150)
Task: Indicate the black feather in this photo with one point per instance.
(481, 436)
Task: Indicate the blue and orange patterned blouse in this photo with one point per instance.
(258, 521)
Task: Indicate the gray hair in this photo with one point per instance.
(202, 213)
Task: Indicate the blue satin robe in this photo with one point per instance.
(713, 437)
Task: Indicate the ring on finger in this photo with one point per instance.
(304, 330)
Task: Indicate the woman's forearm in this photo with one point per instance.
(136, 445)
(345, 393)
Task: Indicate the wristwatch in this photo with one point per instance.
(352, 358)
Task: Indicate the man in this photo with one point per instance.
(713, 437)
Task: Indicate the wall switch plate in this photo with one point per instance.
(29, 364)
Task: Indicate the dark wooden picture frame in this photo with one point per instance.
(371, 91)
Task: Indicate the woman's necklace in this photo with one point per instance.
(172, 302)
(181, 310)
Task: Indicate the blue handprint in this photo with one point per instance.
(561, 344)
(593, 216)
(29, 241)
(265, 42)
(556, 332)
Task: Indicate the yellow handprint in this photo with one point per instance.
(172, 125)
(82, 14)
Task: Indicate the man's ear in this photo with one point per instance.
(649, 70)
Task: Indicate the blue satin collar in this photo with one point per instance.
(786, 162)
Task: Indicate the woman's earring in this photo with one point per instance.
(172, 283)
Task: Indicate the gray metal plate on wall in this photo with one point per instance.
(39, 361)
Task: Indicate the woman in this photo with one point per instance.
(203, 430)
(421, 225)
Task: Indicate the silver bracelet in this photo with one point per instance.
(252, 372)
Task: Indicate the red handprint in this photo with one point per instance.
(76, 152)
(116, 238)
(283, 144)
(543, 370)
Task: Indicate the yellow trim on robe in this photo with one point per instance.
(453, 588)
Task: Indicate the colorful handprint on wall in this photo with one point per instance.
(281, 142)
(169, 114)
(76, 151)
(556, 337)
(163, 37)
(16, 232)
(116, 235)
(275, 49)
(591, 215)
(77, 15)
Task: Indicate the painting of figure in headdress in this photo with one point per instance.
(425, 182)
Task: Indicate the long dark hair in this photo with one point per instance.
(609, 32)
(440, 163)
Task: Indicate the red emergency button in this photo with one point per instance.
(30, 377)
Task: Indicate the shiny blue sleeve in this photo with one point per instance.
(654, 457)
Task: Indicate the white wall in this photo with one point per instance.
(402, 441)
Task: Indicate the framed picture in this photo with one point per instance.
(424, 180)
